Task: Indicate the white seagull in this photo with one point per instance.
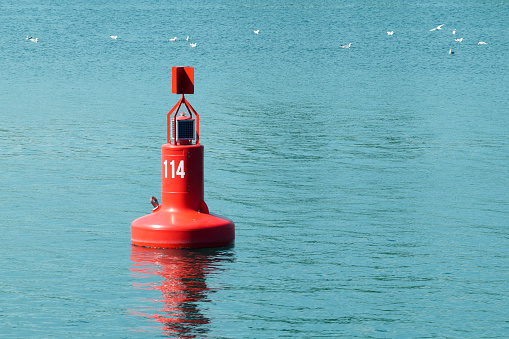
(187, 38)
(32, 39)
(114, 37)
(482, 43)
(192, 45)
(459, 40)
(451, 51)
(390, 33)
(454, 31)
(173, 39)
(257, 31)
(436, 28)
(346, 46)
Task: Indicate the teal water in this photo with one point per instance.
(369, 185)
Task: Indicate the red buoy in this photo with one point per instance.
(182, 220)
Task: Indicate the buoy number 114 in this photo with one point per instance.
(179, 170)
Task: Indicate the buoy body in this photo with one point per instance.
(182, 220)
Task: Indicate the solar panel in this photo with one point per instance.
(185, 129)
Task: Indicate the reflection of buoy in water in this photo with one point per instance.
(182, 280)
(182, 220)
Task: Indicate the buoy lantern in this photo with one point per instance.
(182, 219)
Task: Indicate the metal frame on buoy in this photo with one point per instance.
(172, 119)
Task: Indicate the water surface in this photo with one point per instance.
(368, 185)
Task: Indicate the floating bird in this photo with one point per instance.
(114, 37)
(482, 43)
(346, 46)
(187, 38)
(454, 31)
(451, 51)
(173, 39)
(436, 28)
(459, 40)
(257, 31)
(32, 39)
(192, 45)
(390, 33)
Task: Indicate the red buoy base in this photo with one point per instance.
(182, 229)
